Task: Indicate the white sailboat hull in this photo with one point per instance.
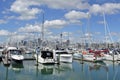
(110, 57)
(92, 58)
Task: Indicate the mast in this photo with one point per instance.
(105, 27)
(88, 39)
(42, 31)
(107, 32)
(89, 36)
(61, 36)
(68, 41)
(43, 27)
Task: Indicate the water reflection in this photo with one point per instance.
(63, 67)
(53, 69)
(6, 78)
(65, 71)
(113, 70)
(17, 67)
(47, 71)
(98, 66)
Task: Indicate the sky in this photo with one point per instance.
(75, 19)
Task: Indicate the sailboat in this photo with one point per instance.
(44, 56)
(110, 56)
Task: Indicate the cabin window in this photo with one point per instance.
(61, 52)
(17, 52)
(46, 54)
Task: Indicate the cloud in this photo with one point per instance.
(2, 21)
(55, 23)
(24, 9)
(108, 8)
(18, 37)
(114, 33)
(73, 15)
(37, 28)
(66, 34)
(30, 28)
(4, 33)
(64, 4)
(28, 9)
(9, 17)
(53, 37)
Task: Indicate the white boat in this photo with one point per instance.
(13, 54)
(112, 56)
(63, 56)
(91, 57)
(95, 56)
(45, 57)
(77, 55)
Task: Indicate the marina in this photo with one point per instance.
(59, 40)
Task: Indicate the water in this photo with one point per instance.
(64, 71)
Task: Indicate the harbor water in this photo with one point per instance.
(64, 71)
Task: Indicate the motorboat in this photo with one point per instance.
(45, 57)
(13, 54)
(63, 56)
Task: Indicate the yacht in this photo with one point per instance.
(45, 57)
(13, 54)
